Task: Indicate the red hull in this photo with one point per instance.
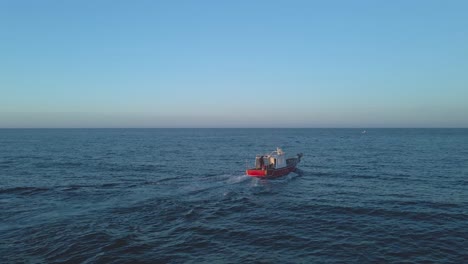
(270, 173)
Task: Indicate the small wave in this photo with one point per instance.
(147, 167)
(72, 188)
(237, 179)
(361, 176)
(109, 185)
(67, 164)
(163, 180)
(423, 204)
(23, 190)
(192, 190)
(119, 243)
(299, 172)
(75, 187)
(324, 174)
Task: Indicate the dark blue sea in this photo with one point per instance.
(182, 196)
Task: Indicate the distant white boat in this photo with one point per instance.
(363, 132)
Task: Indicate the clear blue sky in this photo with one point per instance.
(238, 63)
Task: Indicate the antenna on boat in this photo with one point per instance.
(279, 151)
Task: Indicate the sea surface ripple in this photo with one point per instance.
(182, 196)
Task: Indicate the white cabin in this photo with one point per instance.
(275, 160)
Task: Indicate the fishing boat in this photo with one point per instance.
(274, 165)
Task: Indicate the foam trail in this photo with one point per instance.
(237, 179)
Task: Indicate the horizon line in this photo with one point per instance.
(233, 127)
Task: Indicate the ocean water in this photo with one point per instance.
(182, 196)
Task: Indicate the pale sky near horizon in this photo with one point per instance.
(240, 63)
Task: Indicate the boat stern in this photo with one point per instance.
(256, 172)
